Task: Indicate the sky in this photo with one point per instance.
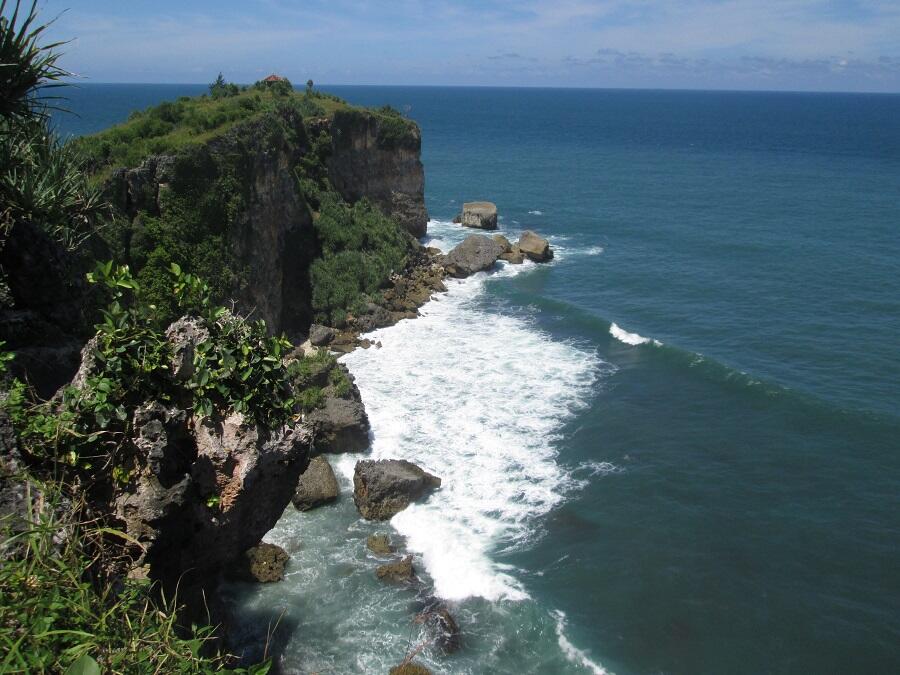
(803, 45)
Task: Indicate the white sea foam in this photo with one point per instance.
(594, 250)
(478, 398)
(575, 655)
(536, 213)
(630, 338)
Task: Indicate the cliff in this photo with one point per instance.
(238, 209)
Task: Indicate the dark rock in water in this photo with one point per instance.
(264, 563)
(380, 544)
(383, 488)
(411, 668)
(317, 485)
(475, 254)
(341, 425)
(535, 247)
(399, 571)
(443, 627)
(457, 218)
(319, 335)
(482, 215)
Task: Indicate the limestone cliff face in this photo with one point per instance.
(378, 157)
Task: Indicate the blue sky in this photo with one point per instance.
(830, 45)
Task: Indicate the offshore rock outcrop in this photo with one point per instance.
(482, 215)
(475, 254)
(317, 486)
(377, 156)
(382, 488)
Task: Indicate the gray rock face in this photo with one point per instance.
(369, 160)
(341, 425)
(317, 485)
(535, 247)
(184, 335)
(475, 254)
(319, 335)
(383, 488)
(482, 215)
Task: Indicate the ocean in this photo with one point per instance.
(675, 448)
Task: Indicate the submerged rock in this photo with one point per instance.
(482, 215)
(475, 254)
(399, 571)
(383, 488)
(535, 247)
(442, 626)
(317, 485)
(264, 563)
(380, 544)
(411, 668)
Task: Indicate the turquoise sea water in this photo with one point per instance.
(675, 449)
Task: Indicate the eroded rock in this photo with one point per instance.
(482, 215)
(380, 544)
(475, 254)
(399, 571)
(264, 563)
(383, 488)
(535, 247)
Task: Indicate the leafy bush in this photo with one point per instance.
(361, 247)
(240, 367)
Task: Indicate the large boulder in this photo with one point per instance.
(475, 254)
(482, 215)
(535, 247)
(510, 253)
(380, 544)
(383, 488)
(440, 623)
(320, 335)
(317, 485)
(264, 563)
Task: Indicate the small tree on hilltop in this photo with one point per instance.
(219, 88)
(309, 87)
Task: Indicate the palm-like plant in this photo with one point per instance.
(26, 66)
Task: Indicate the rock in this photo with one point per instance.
(411, 668)
(433, 251)
(482, 215)
(264, 563)
(184, 335)
(380, 544)
(317, 485)
(319, 335)
(514, 256)
(536, 248)
(383, 488)
(505, 246)
(399, 571)
(457, 218)
(341, 425)
(475, 254)
(441, 624)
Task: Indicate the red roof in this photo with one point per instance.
(273, 78)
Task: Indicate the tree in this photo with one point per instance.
(219, 88)
(309, 87)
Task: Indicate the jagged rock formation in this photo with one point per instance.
(378, 157)
(317, 486)
(43, 310)
(383, 488)
(482, 215)
(264, 563)
(475, 254)
(399, 571)
(379, 544)
(510, 253)
(201, 489)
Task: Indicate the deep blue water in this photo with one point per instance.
(750, 519)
